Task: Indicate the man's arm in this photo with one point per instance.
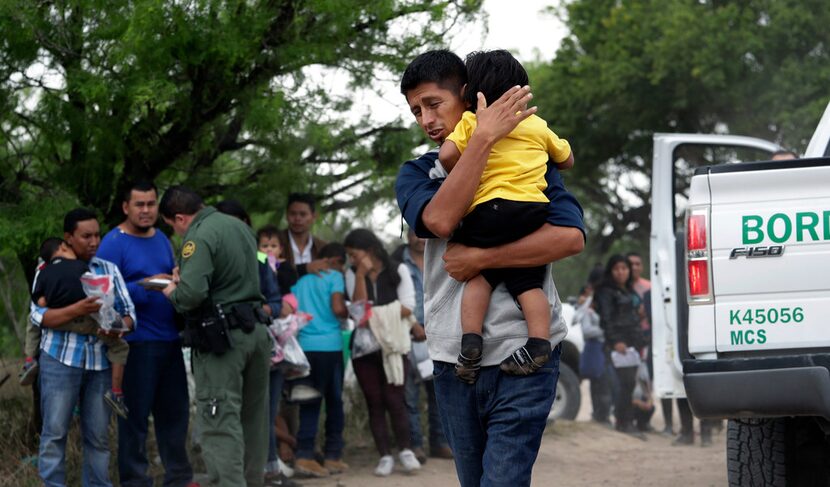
(123, 302)
(443, 213)
(195, 275)
(547, 244)
(55, 317)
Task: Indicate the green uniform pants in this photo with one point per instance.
(232, 409)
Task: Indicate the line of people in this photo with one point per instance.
(133, 364)
(614, 310)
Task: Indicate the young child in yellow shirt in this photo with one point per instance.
(509, 204)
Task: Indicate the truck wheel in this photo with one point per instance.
(568, 396)
(777, 452)
(755, 453)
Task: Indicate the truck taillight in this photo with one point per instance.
(696, 233)
(698, 278)
(698, 258)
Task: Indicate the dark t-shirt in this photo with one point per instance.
(60, 282)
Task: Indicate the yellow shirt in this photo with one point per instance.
(517, 164)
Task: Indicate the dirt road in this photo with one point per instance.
(573, 454)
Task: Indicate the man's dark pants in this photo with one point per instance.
(495, 426)
(154, 382)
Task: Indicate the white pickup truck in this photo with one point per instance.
(740, 269)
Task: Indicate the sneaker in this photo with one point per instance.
(420, 454)
(335, 466)
(521, 362)
(385, 466)
(116, 403)
(408, 460)
(667, 432)
(285, 469)
(467, 369)
(28, 373)
(309, 467)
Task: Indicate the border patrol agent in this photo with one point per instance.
(218, 291)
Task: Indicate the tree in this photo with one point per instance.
(215, 94)
(631, 68)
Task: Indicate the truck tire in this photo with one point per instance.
(568, 396)
(756, 453)
(777, 452)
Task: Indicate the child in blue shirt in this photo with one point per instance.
(323, 297)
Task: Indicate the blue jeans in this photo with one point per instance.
(154, 383)
(413, 402)
(495, 426)
(63, 387)
(327, 377)
(275, 392)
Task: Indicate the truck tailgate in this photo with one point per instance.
(770, 241)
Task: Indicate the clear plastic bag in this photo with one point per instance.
(101, 287)
(286, 353)
(364, 342)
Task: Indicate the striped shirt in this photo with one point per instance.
(83, 351)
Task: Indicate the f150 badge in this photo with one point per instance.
(753, 252)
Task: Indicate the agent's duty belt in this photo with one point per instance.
(245, 316)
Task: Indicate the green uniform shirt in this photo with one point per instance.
(218, 260)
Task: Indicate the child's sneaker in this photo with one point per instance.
(466, 369)
(28, 373)
(524, 362)
(116, 403)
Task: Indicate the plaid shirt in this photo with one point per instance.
(83, 351)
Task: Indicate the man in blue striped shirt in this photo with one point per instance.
(74, 369)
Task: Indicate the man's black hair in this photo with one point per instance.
(234, 208)
(306, 198)
(333, 249)
(633, 254)
(492, 73)
(140, 186)
(49, 247)
(180, 200)
(70, 221)
(441, 66)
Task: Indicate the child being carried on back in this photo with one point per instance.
(509, 204)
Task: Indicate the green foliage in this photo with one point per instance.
(632, 68)
(223, 96)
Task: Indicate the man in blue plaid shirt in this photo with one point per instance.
(74, 369)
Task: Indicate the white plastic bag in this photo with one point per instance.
(101, 287)
(419, 358)
(363, 339)
(364, 342)
(286, 352)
